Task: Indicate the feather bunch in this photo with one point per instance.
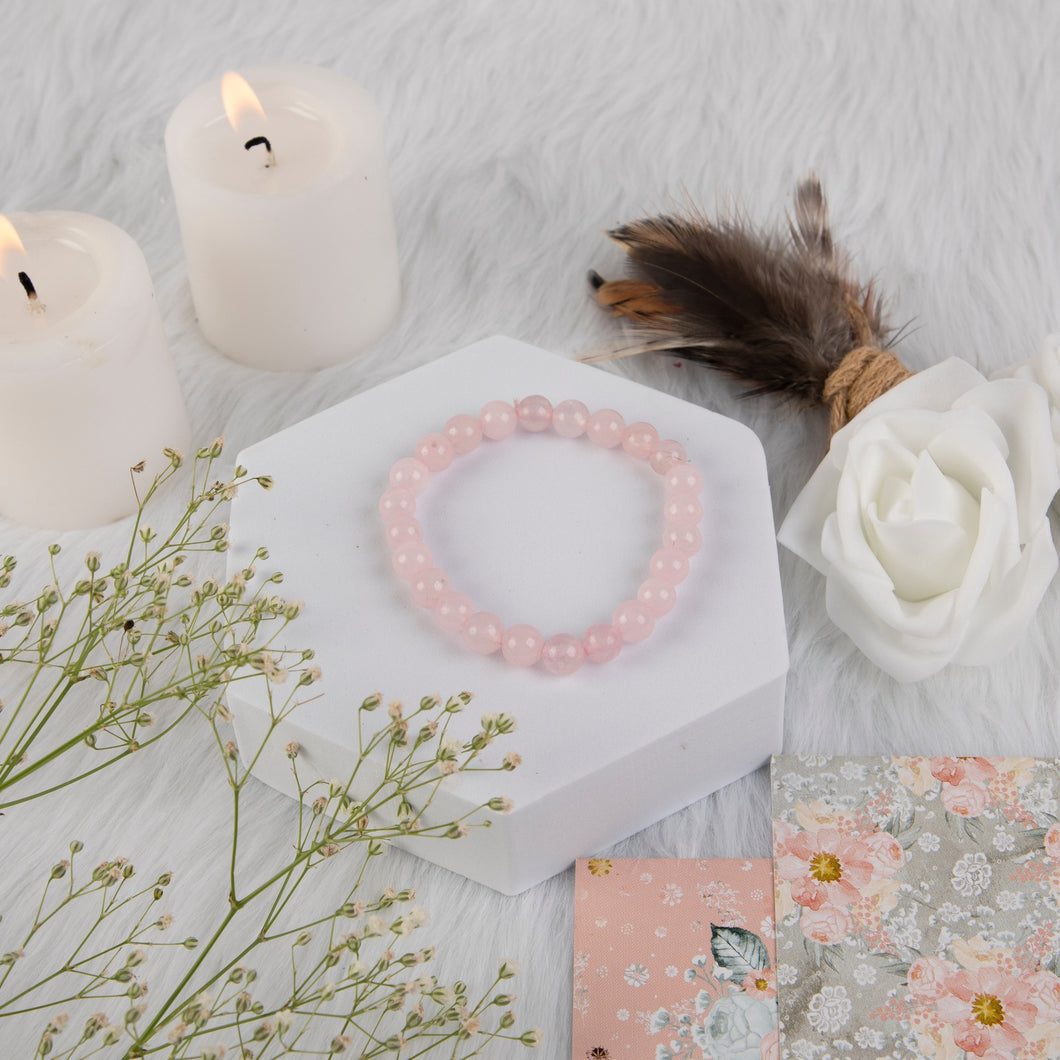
(777, 310)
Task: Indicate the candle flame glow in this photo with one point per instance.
(239, 99)
(10, 245)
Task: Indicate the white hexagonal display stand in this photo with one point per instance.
(538, 529)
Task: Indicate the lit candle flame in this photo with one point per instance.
(239, 99)
(11, 248)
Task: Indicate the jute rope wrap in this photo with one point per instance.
(864, 374)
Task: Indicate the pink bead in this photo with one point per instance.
(657, 596)
(410, 559)
(436, 451)
(633, 621)
(428, 586)
(601, 643)
(402, 530)
(684, 537)
(682, 508)
(534, 412)
(569, 419)
(683, 478)
(669, 565)
(640, 440)
(410, 474)
(483, 632)
(498, 419)
(665, 455)
(463, 433)
(521, 645)
(605, 428)
(453, 610)
(562, 654)
(397, 501)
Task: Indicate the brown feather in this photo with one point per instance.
(776, 310)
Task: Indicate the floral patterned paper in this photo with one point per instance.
(674, 960)
(917, 907)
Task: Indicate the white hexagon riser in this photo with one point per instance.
(538, 529)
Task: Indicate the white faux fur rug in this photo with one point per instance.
(517, 134)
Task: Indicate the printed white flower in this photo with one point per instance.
(928, 519)
(787, 974)
(672, 970)
(622, 1014)
(1010, 900)
(646, 877)
(768, 928)
(636, 975)
(949, 913)
(867, 1038)
(804, 1050)
(660, 932)
(672, 894)
(864, 974)
(928, 842)
(971, 875)
(1004, 842)
(829, 1009)
(626, 929)
(852, 771)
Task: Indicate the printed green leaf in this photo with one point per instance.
(738, 950)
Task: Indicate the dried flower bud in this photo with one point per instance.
(266, 482)
(284, 1020)
(59, 870)
(92, 561)
(500, 805)
(532, 1039)
(190, 942)
(508, 970)
(76, 846)
(340, 1043)
(507, 1020)
(511, 761)
(136, 958)
(175, 457)
(112, 1035)
(430, 702)
(303, 939)
(292, 749)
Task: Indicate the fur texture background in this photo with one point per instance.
(517, 134)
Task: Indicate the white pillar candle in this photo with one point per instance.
(291, 253)
(87, 386)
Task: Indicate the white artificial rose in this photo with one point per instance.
(928, 519)
(1045, 371)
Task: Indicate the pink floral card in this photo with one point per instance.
(674, 960)
(917, 907)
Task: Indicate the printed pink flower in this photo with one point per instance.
(885, 853)
(1052, 843)
(761, 983)
(954, 770)
(948, 770)
(987, 1011)
(827, 925)
(824, 867)
(928, 977)
(770, 1045)
(1043, 991)
(967, 799)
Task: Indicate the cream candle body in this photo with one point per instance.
(87, 386)
(291, 252)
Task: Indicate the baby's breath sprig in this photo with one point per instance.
(154, 644)
(141, 641)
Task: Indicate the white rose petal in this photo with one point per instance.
(928, 518)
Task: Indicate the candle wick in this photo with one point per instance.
(262, 141)
(27, 286)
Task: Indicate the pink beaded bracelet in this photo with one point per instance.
(523, 645)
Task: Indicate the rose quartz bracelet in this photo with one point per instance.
(523, 645)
